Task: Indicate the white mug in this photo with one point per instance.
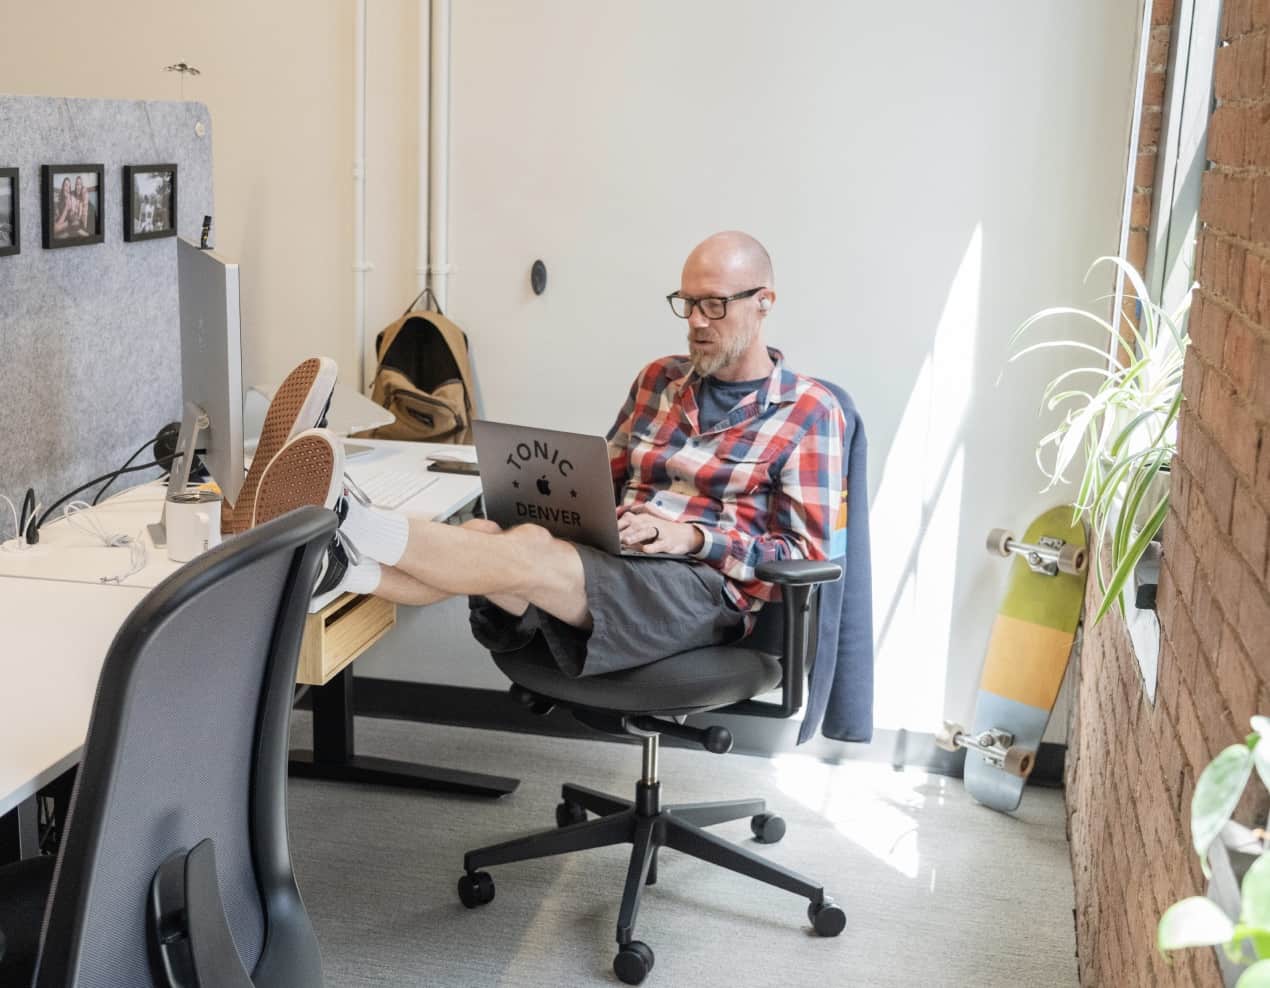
(193, 524)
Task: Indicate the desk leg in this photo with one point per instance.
(20, 832)
(333, 756)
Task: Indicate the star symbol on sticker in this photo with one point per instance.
(573, 493)
(516, 484)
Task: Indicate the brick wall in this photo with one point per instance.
(1132, 765)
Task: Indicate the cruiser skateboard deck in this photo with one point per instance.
(1032, 640)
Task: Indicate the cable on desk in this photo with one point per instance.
(83, 487)
(91, 525)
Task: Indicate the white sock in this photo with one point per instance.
(361, 577)
(381, 535)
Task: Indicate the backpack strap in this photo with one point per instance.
(456, 340)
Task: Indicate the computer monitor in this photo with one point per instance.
(211, 372)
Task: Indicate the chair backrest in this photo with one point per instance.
(188, 740)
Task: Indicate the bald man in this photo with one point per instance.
(723, 457)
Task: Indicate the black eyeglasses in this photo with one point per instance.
(712, 306)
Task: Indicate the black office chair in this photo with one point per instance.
(174, 868)
(638, 702)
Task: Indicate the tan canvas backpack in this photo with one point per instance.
(424, 378)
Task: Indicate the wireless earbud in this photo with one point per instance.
(764, 304)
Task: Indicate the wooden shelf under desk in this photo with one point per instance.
(339, 633)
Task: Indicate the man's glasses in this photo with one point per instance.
(712, 306)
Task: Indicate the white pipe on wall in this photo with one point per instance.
(425, 69)
(365, 358)
(439, 144)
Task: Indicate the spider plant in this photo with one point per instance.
(1125, 424)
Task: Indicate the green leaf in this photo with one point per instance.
(1193, 922)
(1217, 793)
(1257, 976)
(1261, 943)
(1255, 906)
(1124, 569)
(1261, 756)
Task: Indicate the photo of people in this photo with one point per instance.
(9, 235)
(75, 212)
(72, 205)
(149, 201)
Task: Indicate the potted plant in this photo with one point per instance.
(1124, 422)
(1242, 927)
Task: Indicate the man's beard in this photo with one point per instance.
(714, 361)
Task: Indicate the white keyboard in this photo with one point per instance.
(390, 484)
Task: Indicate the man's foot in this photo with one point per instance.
(342, 574)
(300, 403)
(308, 470)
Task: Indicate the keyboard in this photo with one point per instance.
(390, 484)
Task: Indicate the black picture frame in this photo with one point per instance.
(135, 223)
(50, 178)
(12, 243)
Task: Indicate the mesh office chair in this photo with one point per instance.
(174, 868)
(638, 702)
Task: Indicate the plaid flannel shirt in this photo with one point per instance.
(765, 483)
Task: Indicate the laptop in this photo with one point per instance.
(559, 480)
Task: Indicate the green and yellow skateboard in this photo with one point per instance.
(1032, 640)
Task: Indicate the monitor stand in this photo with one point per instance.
(193, 423)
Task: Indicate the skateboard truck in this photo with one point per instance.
(996, 747)
(1049, 557)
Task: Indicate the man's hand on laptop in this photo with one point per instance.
(649, 529)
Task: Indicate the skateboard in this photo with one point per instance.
(1033, 637)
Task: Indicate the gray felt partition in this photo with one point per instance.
(90, 362)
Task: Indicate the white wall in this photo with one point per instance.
(924, 181)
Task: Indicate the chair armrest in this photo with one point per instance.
(798, 572)
(190, 942)
(799, 580)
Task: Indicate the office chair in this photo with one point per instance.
(174, 868)
(651, 700)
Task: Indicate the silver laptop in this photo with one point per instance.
(559, 480)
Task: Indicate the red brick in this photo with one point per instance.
(1158, 46)
(1257, 132)
(1249, 528)
(1153, 88)
(1140, 213)
(1236, 19)
(1219, 488)
(1260, 13)
(1225, 74)
(1149, 128)
(1226, 135)
(1259, 391)
(1180, 563)
(1237, 680)
(1251, 285)
(1144, 169)
(1208, 331)
(1239, 357)
(1162, 12)
(1253, 620)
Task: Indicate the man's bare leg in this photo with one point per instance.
(523, 565)
(400, 587)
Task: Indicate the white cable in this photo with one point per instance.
(80, 516)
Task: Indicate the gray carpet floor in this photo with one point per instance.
(938, 890)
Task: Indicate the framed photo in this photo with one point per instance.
(149, 202)
(73, 205)
(10, 225)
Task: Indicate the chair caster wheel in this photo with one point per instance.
(476, 889)
(768, 828)
(633, 962)
(567, 814)
(827, 918)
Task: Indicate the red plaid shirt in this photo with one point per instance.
(765, 483)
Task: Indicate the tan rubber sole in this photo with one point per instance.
(302, 474)
(278, 428)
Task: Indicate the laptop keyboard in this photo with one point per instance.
(390, 485)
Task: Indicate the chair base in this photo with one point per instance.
(648, 827)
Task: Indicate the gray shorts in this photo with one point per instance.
(641, 610)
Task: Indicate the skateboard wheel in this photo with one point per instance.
(998, 542)
(1072, 559)
(1019, 761)
(947, 738)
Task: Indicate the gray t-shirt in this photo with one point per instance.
(716, 398)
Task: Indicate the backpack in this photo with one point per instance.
(424, 378)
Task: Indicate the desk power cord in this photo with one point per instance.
(79, 515)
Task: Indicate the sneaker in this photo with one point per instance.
(308, 470)
(300, 403)
(335, 564)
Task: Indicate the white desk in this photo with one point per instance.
(57, 620)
